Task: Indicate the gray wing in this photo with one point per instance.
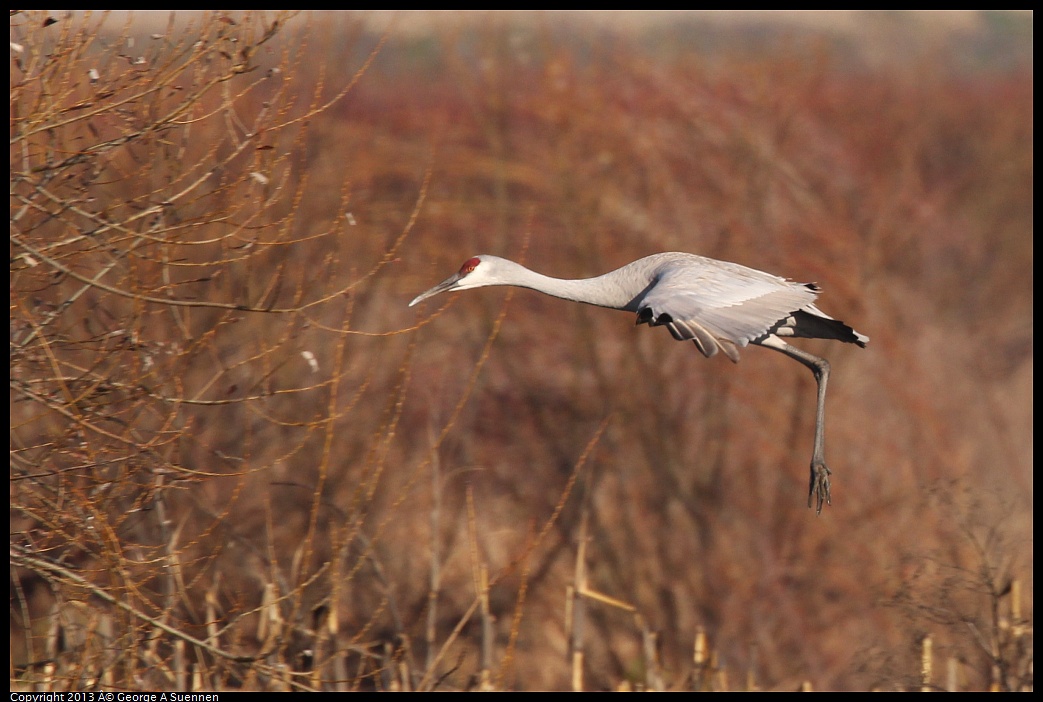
(721, 306)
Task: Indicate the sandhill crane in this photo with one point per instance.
(718, 305)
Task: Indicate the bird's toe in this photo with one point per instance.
(818, 488)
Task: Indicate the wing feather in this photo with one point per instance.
(719, 305)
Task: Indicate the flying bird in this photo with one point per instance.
(719, 306)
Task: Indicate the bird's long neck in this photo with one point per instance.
(608, 290)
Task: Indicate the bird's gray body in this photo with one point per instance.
(720, 306)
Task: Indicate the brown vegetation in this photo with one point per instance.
(239, 461)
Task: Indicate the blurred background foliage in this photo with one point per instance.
(239, 460)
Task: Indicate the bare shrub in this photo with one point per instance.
(181, 349)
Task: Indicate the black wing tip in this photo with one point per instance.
(808, 325)
(851, 336)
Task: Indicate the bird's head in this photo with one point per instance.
(476, 272)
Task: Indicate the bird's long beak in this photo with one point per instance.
(447, 284)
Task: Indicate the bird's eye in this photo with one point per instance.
(469, 265)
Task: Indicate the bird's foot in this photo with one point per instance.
(819, 486)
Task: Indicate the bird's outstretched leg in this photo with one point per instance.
(818, 488)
